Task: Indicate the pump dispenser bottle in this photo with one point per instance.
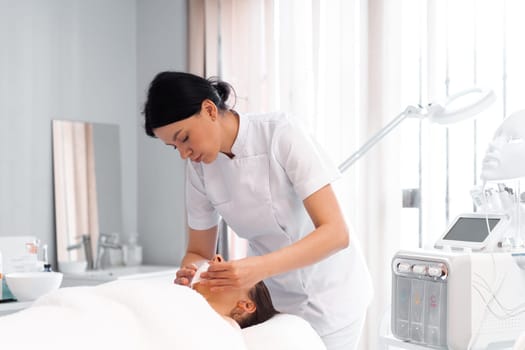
(132, 251)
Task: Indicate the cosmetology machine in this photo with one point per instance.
(460, 295)
(468, 292)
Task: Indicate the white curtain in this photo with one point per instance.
(325, 62)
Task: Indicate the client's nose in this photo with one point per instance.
(218, 258)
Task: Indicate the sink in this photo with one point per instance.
(92, 277)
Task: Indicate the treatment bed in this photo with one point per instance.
(143, 314)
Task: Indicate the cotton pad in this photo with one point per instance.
(197, 276)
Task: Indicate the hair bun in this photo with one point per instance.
(223, 90)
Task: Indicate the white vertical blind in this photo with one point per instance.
(466, 43)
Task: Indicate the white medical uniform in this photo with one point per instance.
(260, 194)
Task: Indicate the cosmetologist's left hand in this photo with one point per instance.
(234, 274)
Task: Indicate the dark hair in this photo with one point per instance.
(265, 310)
(174, 96)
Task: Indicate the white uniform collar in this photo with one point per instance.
(238, 144)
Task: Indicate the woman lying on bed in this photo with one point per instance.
(241, 307)
(136, 315)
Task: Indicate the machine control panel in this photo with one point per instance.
(422, 269)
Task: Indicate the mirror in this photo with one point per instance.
(87, 184)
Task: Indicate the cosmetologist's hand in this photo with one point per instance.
(227, 275)
(185, 275)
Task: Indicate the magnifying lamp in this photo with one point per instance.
(455, 108)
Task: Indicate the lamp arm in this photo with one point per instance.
(410, 111)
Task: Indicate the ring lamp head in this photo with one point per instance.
(461, 106)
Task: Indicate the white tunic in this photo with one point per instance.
(260, 194)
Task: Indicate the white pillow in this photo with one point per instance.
(282, 332)
(520, 343)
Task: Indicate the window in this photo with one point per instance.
(448, 46)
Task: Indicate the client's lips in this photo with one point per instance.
(198, 159)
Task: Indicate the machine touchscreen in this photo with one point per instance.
(470, 231)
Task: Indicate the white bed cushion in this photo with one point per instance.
(282, 332)
(520, 343)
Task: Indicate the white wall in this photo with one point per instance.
(79, 60)
(161, 43)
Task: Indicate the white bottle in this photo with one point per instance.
(132, 252)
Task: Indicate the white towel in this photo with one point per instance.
(124, 314)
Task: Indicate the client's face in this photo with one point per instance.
(503, 159)
(232, 303)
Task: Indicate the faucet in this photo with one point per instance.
(106, 241)
(86, 243)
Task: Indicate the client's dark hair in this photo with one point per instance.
(265, 310)
(174, 96)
